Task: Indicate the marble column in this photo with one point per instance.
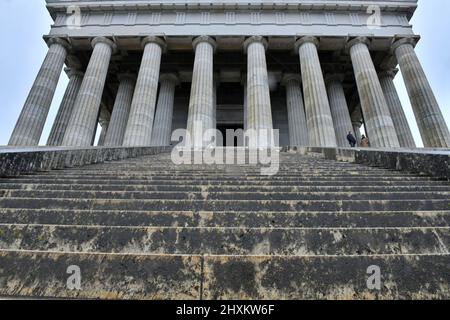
(121, 111)
(357, 122)
(140, 123)
(103, 133)
(317, 107)
(216, 85)
(432, 126)
(259, 108)
(373, 103)
(401, 125)
(83, 121)
(339, 109)
(162, 128)
(245, 104)
(201, 103)
(29, 126)
(298, 130)
(66, 107)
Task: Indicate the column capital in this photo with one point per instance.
(207, 39)
(169, 77)
(332, 77)
(60, 41)
(390, 73)
(253, 39)
(156, 40)
(308, 39)
(408, 40)
(107, 41)
(126, 76)
(288, 77)
(73, 72)
(358, 40)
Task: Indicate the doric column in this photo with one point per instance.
(140, 123)
(298, 130)
(432, 126)
(259, 108)
(373, 103)
(162, 128)
(339, 109)
(121, 111)
(245, 103)
(29, 126)
(405, 137)
(83, 121)
(216, 84)
(357, 122)
(317, 107)
(103, 133)
(66, 107)
(201, 103)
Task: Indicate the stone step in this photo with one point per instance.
(119, 276)
(105, 171)
(236, 178)
(232, 196)
(124, 182)
(218, 180)
(251, 219)
(225, 188)
(227, 205)
(225, 241)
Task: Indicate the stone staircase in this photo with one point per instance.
(147, 229)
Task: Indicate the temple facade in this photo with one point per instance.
(314, 70)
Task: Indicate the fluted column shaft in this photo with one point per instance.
(201, 104)
(103, 133)
(121, 111)
(66, 107)
(298, 130)
(259, 108)
(401, 125)
(339, 110)
(216, 84)
(83, 122)
(245, 106)
(29, 126)
(373, 103)
(317, 107)
(140, 123)
(162, 128)
(357, 130)
(432, 126)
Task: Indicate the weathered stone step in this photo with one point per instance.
(232, 196)
(115, 276)
(227, 169)
(225, 188)
(227, 205)
(225, 241)
(196, 177)
(133, 182)
(103, 276)
(219, 180)
(251, 219)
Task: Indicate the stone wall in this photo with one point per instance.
(14, 162)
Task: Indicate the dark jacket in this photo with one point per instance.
(351, 139)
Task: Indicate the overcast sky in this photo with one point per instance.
(23, 22)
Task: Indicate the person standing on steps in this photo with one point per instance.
(351, 139)
(365, 142)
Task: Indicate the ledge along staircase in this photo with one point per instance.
(148, 229)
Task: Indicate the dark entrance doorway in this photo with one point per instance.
(223, 129)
